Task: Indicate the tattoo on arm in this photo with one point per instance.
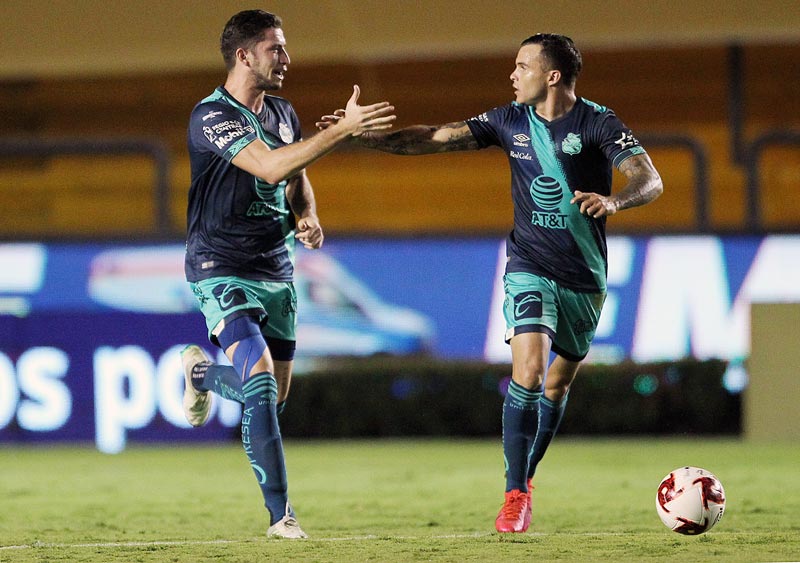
(644, 184)
(422, 139)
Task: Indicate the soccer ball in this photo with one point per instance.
(690, 501)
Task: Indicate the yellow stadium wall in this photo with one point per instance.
(655, 89)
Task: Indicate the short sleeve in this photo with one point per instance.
(487, 126)
(616, 140)
(221, 129)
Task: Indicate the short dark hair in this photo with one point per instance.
(561, 53)
(245, 29)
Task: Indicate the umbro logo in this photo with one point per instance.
(521, 140)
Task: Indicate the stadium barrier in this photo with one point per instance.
(385, 397)
(770, 402)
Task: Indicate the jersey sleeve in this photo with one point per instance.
(616, 140)
(221, 129)
(298, 134)
(487, 126)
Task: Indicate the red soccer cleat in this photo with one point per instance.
(530, 504)
(515, 514)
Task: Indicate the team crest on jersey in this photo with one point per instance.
(285, 133)
(571, 144)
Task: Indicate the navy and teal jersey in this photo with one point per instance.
(549, 161)
(238, 224)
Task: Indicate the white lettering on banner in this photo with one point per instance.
(773, 277)
(775, 274)
(684, 303)
(150, 389)
(685, 306)
(9, 393)
(115, 410)
(128, 391)
(22, 267)
(49, 403)
(169, 385)
(495, 349)
(170, 381)
(620, 264)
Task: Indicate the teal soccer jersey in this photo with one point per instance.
(549, 161)
(238, 224)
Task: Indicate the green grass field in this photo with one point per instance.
(393, 501)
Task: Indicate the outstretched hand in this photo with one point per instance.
(594, 205)
(359, 119)
(329, 120)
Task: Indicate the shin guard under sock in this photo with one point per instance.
(550, 415)
(222, 380)
(262, 443)
(520, 421)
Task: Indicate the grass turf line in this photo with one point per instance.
(390, 500)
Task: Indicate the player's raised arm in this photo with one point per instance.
(276, 165)
(416, 139)
(422, 139)
(644, 185)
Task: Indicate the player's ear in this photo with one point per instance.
(241, 55)
(553, 77)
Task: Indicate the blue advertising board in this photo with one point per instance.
(90, 333)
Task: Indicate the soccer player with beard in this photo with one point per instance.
(561, 149)
(249, 202)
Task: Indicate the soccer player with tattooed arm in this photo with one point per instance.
(250, 201)
(561, 149)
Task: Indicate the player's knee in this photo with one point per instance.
(556, 393)
(528, 373)
(528, 378)
(249, 357)
(250, 354)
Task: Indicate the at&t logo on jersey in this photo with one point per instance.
(547, 195)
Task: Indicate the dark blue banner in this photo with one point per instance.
(90, 334)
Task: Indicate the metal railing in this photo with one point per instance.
(699, 166)
(155, 150)
(755, 150)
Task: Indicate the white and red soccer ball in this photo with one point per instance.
(690, 501)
